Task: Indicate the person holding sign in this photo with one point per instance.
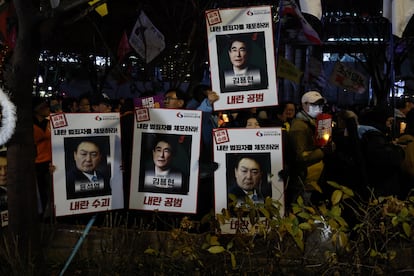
(248, 176)
(305, 156)
(175, 98)
(162, 176)
(242, 75)
(86, 180)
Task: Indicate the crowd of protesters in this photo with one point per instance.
(371, 150)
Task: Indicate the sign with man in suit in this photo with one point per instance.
(249, 164)
(242, 58)
(166, 153)
(86, 152)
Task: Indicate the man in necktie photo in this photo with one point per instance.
(89, 177)
(249, 178)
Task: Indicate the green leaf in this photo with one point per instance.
(404, 212)
(233, 261)
(268, 201)
(333, 224)
(334, 184)
(230, 245)
(150, 251)
(394, 221)
(336, 211)
(347, 191)
(233, 197)
(407, 229)
(221, 219)
(341, 221)
(310, 209)
(336, 197)
(296, 209)
(392, 254)
(304, 215)
(264, 212)
(299, 242)
(300, 200)
(343, 239)
(214, 240)
(305, 226)
(216, 249)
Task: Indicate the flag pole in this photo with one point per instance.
(78, 244)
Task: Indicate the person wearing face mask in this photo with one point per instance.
(305, 158)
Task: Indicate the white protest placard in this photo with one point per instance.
(348, 78)
(86, 152)
(166, 150)
(242, 58)
(249, 163)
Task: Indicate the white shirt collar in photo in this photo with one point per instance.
(240, 72)
(159, 172)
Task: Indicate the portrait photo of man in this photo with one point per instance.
(165, 169)
(242, 62)
(247, 176)
(87, 171)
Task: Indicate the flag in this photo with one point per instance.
(146, 39)
(123, 48)
(313, 7)
(290, 7)
(398, 12)
(101, 9)
(8, 27)
(288, 70)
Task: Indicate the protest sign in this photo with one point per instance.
(86, 152)
(166, 150)
(249, 163)
(348, 78)
(242, 58)
(150, 101)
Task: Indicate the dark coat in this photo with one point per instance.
(383, 161)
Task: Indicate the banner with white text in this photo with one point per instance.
(86, 152)
(166, 150)
(249, 164)
(242, 58)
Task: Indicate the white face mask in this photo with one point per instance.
(314, 110)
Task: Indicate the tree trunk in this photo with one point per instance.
(23, 216)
